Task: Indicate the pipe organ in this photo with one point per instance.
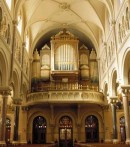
(64, 61)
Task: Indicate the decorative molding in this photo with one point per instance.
(5, 91)
(66, 96)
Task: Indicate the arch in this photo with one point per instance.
(92, 129)
(70, 114)
(99, 117)
(65, 131)
(126, 66)
(100, 121)
(40, 35)
(3, 68)
(39, 130)
(30, 122)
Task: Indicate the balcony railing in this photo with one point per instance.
(48, 86)
(71, 96)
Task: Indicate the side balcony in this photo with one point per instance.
(66, 96)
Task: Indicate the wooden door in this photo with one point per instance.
(91, 129)
(39, 130)
(65, 132)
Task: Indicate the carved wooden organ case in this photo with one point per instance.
(64, 61)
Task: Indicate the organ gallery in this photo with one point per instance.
(64, 72)
(64, 64)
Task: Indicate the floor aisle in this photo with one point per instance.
(85, 145)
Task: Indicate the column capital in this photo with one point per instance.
(5, 91)
(25, 108)
(113, 100)
(17, 101)
(125, 89)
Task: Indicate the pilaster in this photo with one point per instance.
(113, 100)
(17, 103)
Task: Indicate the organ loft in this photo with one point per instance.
(64, 63)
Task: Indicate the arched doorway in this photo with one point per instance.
(8, 130)
(122, 129)
(65, 132)
(39, 130)
(92, 129)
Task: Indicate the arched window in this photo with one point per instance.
(27, 41)
(65, 131)
(65, 58)
(19, 26)
(92, 129)
(39, 130)
(9, 2)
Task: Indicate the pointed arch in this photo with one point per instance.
(3, 68)
(126, 67)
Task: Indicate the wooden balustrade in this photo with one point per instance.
(42, 86)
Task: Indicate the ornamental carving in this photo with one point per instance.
(93, 97)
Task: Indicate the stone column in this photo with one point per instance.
(125, 94)
(5, 92)
(113, 101)
(23, 125)
(78, 124)
(52, 123)
(17, 103)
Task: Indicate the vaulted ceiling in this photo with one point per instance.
(84, 18)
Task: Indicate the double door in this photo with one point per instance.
(65, 137)
(39, 136)
(92, 135)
